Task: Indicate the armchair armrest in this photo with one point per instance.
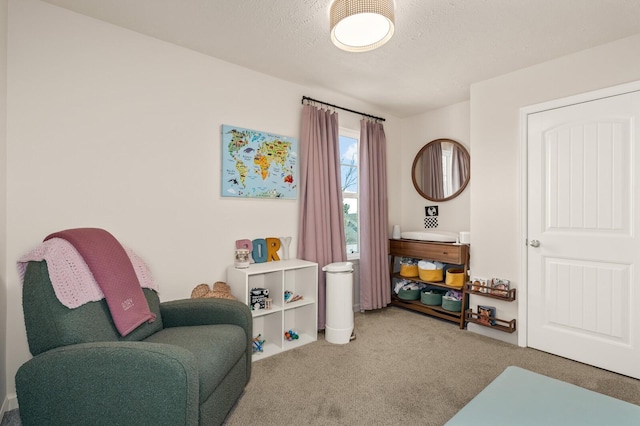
(188, 312)
(210, 311)
(109, 383)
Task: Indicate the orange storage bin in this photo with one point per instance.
(408, 271)
(433, 275)
(455, 278)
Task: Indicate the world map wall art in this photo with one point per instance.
(258, 165)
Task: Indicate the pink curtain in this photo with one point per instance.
(433, 184)
(375, 288)
(460, 168)
(321, 224)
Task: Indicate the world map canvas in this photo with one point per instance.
(258, 165)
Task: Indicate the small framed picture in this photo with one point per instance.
(486, 315)
(500, 287)
(479, 284)
(431, 211)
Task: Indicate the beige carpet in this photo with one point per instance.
(403, 368)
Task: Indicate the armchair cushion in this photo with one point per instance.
(51, 324)
(213, 361)
(125, 383)
(189, 312)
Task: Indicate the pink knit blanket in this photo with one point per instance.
(72, 280)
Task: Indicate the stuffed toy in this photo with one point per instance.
(220, 290)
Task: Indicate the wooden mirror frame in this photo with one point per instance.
(418, 160)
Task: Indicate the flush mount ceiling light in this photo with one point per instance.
(361, 25)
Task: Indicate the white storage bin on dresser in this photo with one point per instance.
(299, 277)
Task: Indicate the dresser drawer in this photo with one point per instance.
(442, 252)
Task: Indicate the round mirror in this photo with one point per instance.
(441, 170)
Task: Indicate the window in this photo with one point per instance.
(349, 141)
(447, 167)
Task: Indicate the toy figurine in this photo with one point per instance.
(291, 335)
(258, 343)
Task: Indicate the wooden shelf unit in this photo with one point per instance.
(500, 324)
(456, 254)
(488, 291)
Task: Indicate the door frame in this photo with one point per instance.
(524, 173)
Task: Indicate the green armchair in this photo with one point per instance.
(188, 367)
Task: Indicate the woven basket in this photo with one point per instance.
(432, 299)
(451, 304)
(220, 291)
(200, 291)
(433, 275)
(409, 294)
(455, 278)
(409, 271)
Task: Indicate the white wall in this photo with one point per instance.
(450, 122)
(495, 162)
(3, 205)
(112, 129)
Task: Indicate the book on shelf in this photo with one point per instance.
(486, 315)
(500, 287)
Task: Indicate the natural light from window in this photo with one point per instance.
(349, 140)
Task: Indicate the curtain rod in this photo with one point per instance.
(306, 98)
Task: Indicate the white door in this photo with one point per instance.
(583, 220)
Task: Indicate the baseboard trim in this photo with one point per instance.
(10, 403)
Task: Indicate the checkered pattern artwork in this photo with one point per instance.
(431, 221)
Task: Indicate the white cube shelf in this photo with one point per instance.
(300, 277)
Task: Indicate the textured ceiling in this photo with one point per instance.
(439, 48)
